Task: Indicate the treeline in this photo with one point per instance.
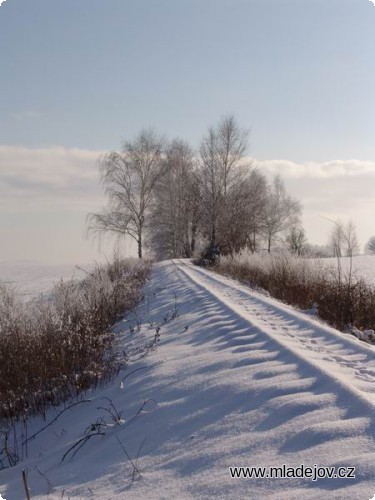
(176, 201)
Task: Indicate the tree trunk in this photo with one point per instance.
(140, 245)
(193, 236)
(213, 233)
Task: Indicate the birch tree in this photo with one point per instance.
(281, 211)
(244, 216)
(129, 178)
(175, 216)
(222, 153)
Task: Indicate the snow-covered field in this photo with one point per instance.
(238, 379)
(363, 266)
(31, 279)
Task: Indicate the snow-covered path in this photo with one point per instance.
(344, 359)
(238, 379)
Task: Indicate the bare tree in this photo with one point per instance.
(370, 246)
(175, 216)
(351, 240)
(336, 243)
(296, 240)
(318, 251)
(255, 207)
(222, 152)
(282, 211)
(172, 197)
(344, 240)
(231, 144)
(244, 215)
(336, 239)
(129, 179)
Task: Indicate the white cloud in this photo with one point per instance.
(323, 170)
(37, 179)
(336, 189)
(66, 180)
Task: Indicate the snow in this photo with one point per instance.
(238, 378)
(31, 278)
(363, 266)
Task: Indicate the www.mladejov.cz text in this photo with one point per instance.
(313, 472)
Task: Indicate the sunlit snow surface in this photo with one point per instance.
(363, 266)
(238, 378)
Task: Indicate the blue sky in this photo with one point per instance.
(82, 75)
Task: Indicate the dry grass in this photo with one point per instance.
(341, 300)
(53, 349)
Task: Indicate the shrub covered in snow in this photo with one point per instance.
(54, 349)
(341, 299)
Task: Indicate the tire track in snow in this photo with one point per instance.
(349, 365)
(311, 409)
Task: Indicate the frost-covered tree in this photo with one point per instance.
(336, 239)
(282, 211)
(351, 246)
(343, 239)
(175, 216)
(370, 246)
(244, 216)
(255, 209)
(296, 240)
(174, 198)
(222, 154)
(318, 251)
(129, 178)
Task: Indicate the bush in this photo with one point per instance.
(53, 349)
(341, 300)
(209, 255)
